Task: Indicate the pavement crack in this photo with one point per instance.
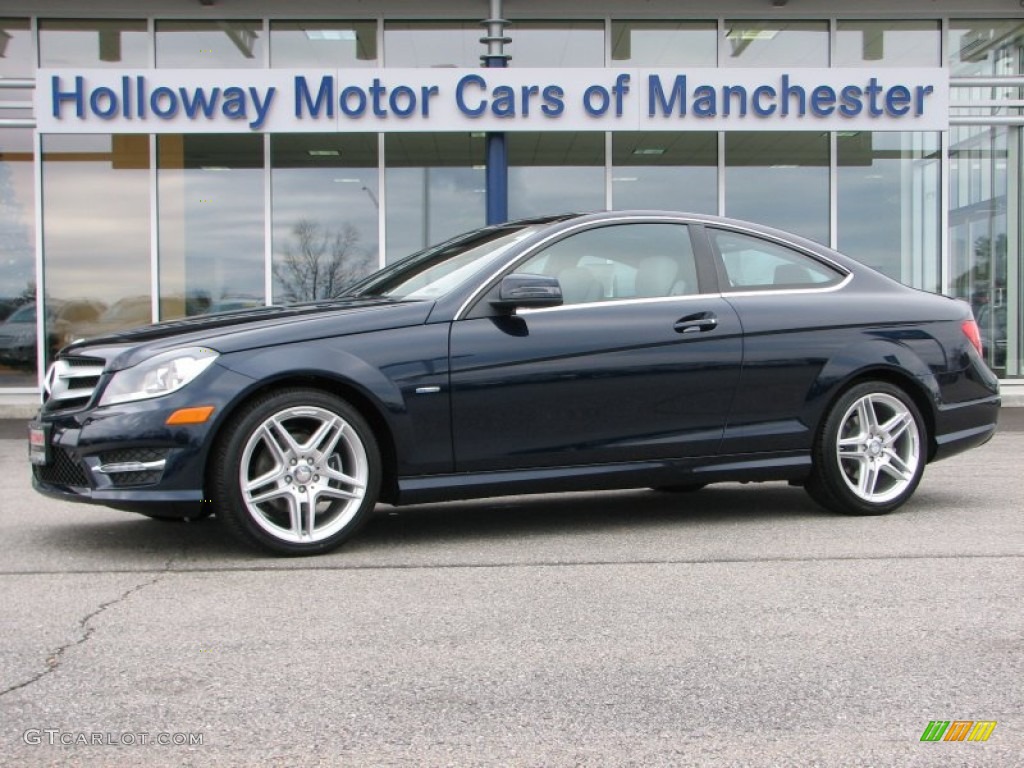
(86, 629)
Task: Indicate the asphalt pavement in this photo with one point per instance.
(739, 626)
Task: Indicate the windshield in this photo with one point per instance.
(438, 270)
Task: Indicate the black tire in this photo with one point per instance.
(682, 488)
(879, 432)
(277, 488)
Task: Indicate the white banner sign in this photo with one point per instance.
(387, 100)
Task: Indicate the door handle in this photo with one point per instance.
(698, 323)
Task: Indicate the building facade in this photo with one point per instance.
(150, 190)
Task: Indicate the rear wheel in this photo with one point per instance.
(297, 472)
(870, 453)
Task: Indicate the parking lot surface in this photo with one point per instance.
(738, 626)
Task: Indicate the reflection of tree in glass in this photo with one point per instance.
(320, 262)
(17, 256)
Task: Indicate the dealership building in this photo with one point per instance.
(178, 157)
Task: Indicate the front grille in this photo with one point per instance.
(71, 381)
(62, 470)
(128, 479)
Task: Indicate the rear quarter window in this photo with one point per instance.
(753, 263)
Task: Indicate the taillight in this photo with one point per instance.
(970, 329)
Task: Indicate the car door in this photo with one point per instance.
(795, 320)
(638, 363)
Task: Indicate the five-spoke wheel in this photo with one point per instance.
(870, 454)
(299, 472)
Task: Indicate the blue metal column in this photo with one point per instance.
(496, 148)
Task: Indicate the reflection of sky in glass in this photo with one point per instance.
(96, 246)
(886, 44)
(888, 198)
(65, 43)
(409, 44)
(17, 217)
(200, 44)
(337, 200)
(665, 44)
(775, 44)
(542, 190)
(779, 179)
(327, 44)
(428, 205)
(95, 231)
(211, 237)
(691, 189)
(553, 44)
(793, 199)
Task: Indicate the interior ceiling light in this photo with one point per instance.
(330, 34)
(751, 34)
(323, 153)
(649, 151)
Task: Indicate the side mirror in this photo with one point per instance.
(527, 292)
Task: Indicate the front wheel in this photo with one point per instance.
(870, 453)
(297, 472)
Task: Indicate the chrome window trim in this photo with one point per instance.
(464, 308)
(667, 219)
(617, 303)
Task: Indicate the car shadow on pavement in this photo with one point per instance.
(484, 521)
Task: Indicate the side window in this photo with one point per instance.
(620, 261)
(756, 264)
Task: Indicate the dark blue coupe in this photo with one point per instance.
(609, 350)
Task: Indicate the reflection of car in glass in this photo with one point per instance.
(18, 332)
(130, 312)
(233, 303)
(613, 350)
(992, 326)
(18, 337)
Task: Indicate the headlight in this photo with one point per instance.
(158, 376)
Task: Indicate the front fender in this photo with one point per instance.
(402, 374)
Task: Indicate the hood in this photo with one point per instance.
(252, 328)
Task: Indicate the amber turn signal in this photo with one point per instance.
(190, 415)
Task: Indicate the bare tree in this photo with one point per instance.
(318, 262)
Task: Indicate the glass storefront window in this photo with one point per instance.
(432, 43)
(887, 44)
(752, 43)
(93, 43)
(235, 43)
(888, 198)
(555, 44)
(435, 188)
(96, 265)
(16, 62)
(328, 44)
(210, 199)
(665, 43)
(664, 170)
(554, 173)
(979, 246)
(985, 47)
(457, 44)
(779, 179)
(324, 200)
(17, 260)
(16, 48)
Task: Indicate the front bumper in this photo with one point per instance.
(127, 457)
